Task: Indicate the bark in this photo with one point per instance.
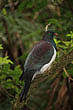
(9, 45)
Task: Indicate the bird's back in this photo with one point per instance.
(40, 55)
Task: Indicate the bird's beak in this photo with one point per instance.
(56, 34)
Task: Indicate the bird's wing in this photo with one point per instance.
(40, 55)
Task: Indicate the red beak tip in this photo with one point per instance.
(56, 34)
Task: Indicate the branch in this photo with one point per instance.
(67, 74)
(6, 29)
(63, 62)
(52, 75)
(11, 48)
(56, 68)
(10, 95)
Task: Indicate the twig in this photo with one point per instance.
(11, 48)
(67, 74)
(20, 41)
(6, 29)
(10, 95)
(63, 62)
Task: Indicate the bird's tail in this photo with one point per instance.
(25, 90)
(27, 77)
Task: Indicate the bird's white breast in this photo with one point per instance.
(46, 66)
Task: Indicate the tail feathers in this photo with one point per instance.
(25, 91)
(27, 77)
(26, 73)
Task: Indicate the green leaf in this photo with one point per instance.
(4, 11)
(1, 46)
(5, 60)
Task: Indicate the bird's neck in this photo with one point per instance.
(49, 39)
(53, 43)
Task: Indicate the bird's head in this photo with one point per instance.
(49, 35)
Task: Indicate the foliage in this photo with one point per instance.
(19, 33)
(21, 26)
(4, 60)
(9, 79)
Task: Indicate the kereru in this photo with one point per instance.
(39, 60)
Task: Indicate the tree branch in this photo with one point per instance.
(54, 73)
(56, 68)
(10, 95)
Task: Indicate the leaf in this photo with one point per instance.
(5, 60)
(4, 11)
(67, 43)
(56, 41)
(1, 46)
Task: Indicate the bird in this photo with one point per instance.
(39, 59)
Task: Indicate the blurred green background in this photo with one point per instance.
(22, 24)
